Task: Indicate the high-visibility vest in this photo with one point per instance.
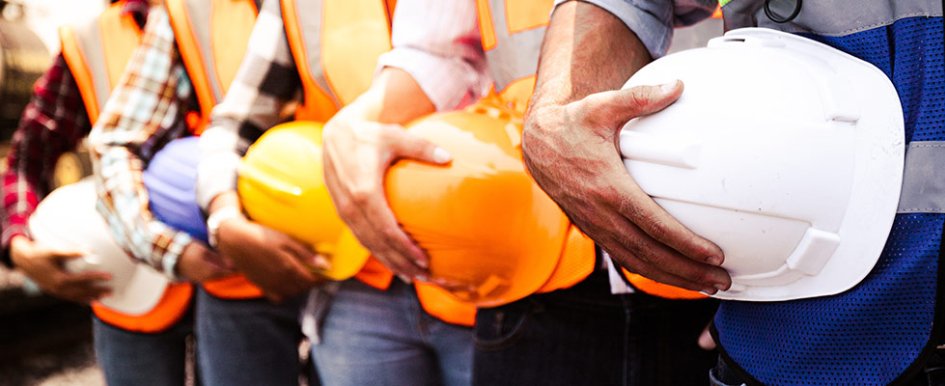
(96, 54)
(212, 36)
(512, 32)
(336, 46)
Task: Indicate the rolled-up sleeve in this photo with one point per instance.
(438, 43)
(653, 20)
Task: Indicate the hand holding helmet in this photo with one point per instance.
(45, 266)
(571, 151)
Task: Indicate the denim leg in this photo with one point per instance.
(379, 338)
(586, 336)
(453, 347)
(131, 358)
(247, 342)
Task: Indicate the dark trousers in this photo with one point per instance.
(584, 335)
(932, 374)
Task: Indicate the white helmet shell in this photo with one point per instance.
(67, 219)
(785, 152)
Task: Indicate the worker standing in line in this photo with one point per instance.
(886, 329)
(189, 52)
(377, 330)
(642, 338)
(66, 101)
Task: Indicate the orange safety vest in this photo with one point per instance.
(212, 36)
(336, 46)
(512, 33)
(96, 54)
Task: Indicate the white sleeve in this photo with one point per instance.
(438, 43)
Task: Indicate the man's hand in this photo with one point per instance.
(275, 262)
(706, 341)
(572, 152)
(45, 267)
(198, 263)
(357, 154)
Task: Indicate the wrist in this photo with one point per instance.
(19, 245)
(217, 219)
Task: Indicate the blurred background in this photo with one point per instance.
(43, 341)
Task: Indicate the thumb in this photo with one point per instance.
(406, 145)
(706, 342)
(64, 255)
(615, 108)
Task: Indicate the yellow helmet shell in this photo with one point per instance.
(281, 186)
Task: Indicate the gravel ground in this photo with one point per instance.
(68, 366)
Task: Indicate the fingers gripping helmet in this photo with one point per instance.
(281, 186)
(785, 152)
(491, 233)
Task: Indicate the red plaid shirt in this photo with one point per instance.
(53, 123)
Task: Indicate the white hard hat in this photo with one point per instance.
(67, 219)
(785, 152)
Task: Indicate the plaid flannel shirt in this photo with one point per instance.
(145, 111)
(263, 93)
(54, 122)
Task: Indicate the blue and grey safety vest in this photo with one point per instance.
(882, 330)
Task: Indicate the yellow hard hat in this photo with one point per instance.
(490, 231)
(281, 186)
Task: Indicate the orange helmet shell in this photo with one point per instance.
(492, 234)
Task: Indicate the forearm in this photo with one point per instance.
(439, 45)
(147, 108)
(586, 50)
(124, 205)
(394, 97)
(53, 123)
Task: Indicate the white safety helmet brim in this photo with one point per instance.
(785, 152)
(67, 219)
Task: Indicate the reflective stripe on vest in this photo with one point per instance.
(822, 18)
(97, 54)
(335, 44)
(923, 188)
(512, 32)
(212, 36)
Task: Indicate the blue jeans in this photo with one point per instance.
(586, 336)
(372, 337)
(132, 358)
(247, 342)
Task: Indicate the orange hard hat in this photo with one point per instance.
(493, 236)
(281, 186)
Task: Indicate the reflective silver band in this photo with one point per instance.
(514, 56)
(923, 182)
(198, 15)
(90, 42)
(831, 17)
(311, 29)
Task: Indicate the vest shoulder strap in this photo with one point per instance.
(335, 46)
(212, 36)
(97, 53)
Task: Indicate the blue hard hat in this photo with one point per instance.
(171, 179)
